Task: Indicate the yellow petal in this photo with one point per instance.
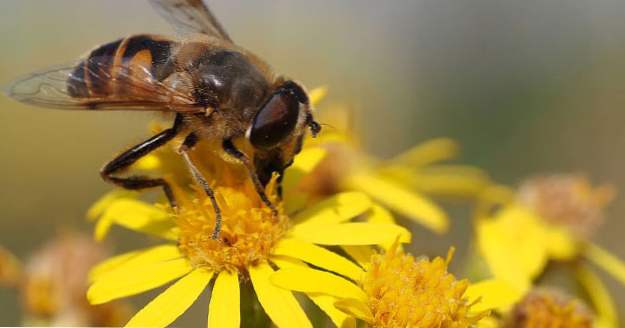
(351, 233)
(139, 258)
(608, 262)
(606, 316)
(428, 152)
(324, 302)
(103, 203)
(441, 180)
(287, 262)
(513, 245)
(560, 243)
(302, 165)
(379, 214)
(307, 160)
(110, 264)
(492, 294)
(224, 309)
(360, 254)
(279, 304)
(317, 94)
(102, 228)
(488, 322)
(148, 163)
(319, 257)
(402, 200)
(355, 308)
(336, 209)
(492, 197)
(338, 317)
(171, 303)
(139, 216)
(308, 280)
(121, 283)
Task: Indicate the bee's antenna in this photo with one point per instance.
(315, 128)
(328, 126)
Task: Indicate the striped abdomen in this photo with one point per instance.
(123, 67)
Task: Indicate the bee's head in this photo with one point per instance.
(284, 115)
(277, 130)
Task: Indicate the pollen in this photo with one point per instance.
(549, 308)
(404, 291)
(567, 200)
(249, 230)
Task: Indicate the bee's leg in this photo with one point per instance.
(232, 150)
(187, 145)
(130, 156)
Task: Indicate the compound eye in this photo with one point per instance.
(275, 120)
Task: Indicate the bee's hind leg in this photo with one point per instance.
(232, 150)
(187, 145)
(130, 156)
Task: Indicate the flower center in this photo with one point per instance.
(407, 292)
(567, 200)
(549, 308)
(249, 230)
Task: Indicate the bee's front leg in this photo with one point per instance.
(188, 144)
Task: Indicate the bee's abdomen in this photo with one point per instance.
(114, 68)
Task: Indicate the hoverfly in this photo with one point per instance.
(216, 90)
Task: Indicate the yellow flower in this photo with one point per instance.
(252, 243)
(52, 284)
(402, 183)
(568, 201)
(548, 219)
(548, 308)
(398, 290)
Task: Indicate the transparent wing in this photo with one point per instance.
(98, 85)
(190, 16)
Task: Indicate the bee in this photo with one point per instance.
(216, 90)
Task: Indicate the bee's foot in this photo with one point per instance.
(274, 213)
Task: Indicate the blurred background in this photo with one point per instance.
(526, 87)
